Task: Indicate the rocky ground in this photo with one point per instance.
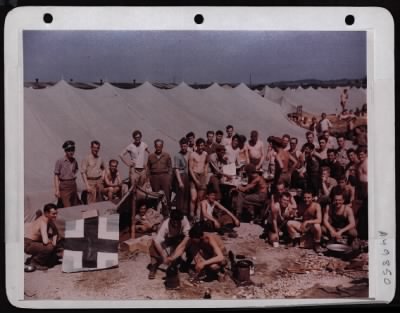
(282, 272)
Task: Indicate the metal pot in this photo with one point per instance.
(339, 250)
(243, 270)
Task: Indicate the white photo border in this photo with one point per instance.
(377, 22)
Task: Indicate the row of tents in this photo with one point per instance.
(109, 114)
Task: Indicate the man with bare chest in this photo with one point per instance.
(254, 148)
(198, 169)
(312, 218)
(283, 157)
(41, 238)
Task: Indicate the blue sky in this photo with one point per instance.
(193, 56)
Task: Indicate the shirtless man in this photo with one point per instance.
(137, 159)
(362, 174)
(253, 194)
(283, 158)
(206, 249)
(351, 166)
(344, 97)
(229, 136)
(254, 150)
(285, 142)
(190, 137)
(312, 218)
(322, 152)
(233, 150)
(339, 220)
(41, 238)
(345, 189)
(112, 181)
(281, 213)
(92, 171)
(198, 169)
(215, 216)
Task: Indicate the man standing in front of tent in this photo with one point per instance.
(93, 173)
(159, 167)
(65, 173)
(137, 162)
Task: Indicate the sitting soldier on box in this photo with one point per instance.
(206, 249)
(172, 232)
(41, 239)
(148, 220)
(339, 220)
(220, 220)
(253, 195)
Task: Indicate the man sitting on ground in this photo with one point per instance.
(112, 181)
(344, 188)
(213, 220)
(172, 232)
(41, 239)
(339, 220)
(206, 249)
(312, 218)
(147, 220)
(281, 212)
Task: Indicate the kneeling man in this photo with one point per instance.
(339, 220)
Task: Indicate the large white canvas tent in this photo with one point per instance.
(110, 114)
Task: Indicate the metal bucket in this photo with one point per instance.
(243, 270)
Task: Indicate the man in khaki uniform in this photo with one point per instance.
(159, 166)
(65, 172)
(92, 171)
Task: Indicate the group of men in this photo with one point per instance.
(330, 180)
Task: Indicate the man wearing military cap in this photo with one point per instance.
(65, 172)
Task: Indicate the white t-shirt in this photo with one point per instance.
(325, 124)
(255, 151)
(137, 154)
(232, 154)
(227, 141)
(164, 232)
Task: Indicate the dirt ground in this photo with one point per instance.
(283, 272)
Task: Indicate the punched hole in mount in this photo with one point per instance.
(349, 19)
(198, 19)
(47, 18)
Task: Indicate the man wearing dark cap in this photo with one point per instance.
(65, 173)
